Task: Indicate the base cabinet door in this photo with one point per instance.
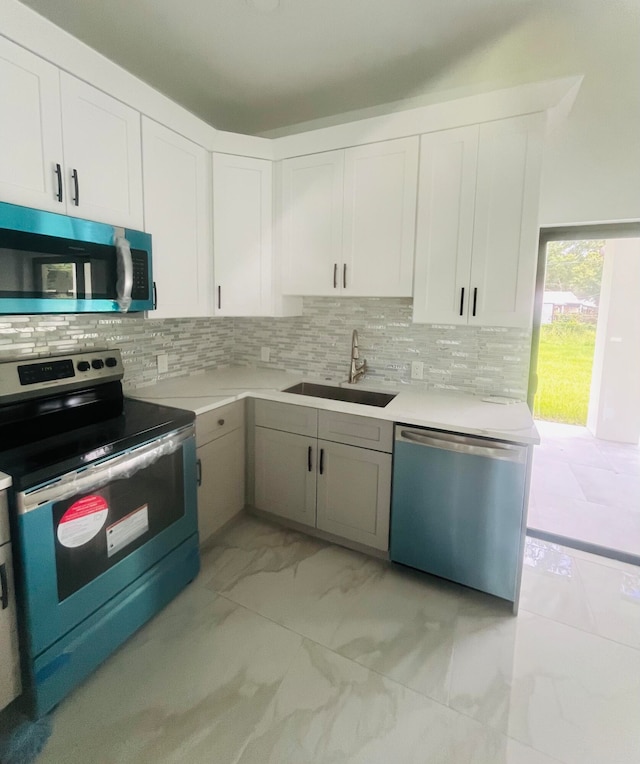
(221, 487)
(354, 493)
(285, 474)
(10, 685)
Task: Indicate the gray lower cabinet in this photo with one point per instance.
(329, 484)
(354, 493)
(220, 440)
(10, 685)
(285, 474)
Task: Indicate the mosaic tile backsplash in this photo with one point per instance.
(318, 343)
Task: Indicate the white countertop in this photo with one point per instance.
(412, 405)
(5, 481)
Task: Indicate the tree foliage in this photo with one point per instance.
(575, 266)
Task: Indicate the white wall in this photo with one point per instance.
(614, 404)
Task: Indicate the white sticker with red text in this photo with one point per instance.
(82, 521)
(127, 529)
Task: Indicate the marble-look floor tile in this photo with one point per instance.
(560, 690)
(552, 476)
(582, 591)
(330, 709)
(402, 626)
(302, 583)
(189, 687)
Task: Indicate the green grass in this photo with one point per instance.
(565, 361)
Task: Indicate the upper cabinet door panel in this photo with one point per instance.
(102, 147)
(506, 222)
(242, 224)
(30, 131)
(444, 239)
(379, 219)
(177, 214)
(311, 210)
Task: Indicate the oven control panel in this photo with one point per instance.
(26, 378)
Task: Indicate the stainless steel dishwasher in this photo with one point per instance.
(458, 508)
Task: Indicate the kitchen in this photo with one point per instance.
(309, 344)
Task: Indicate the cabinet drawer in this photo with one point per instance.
(287, 417)
(353, 430)
(214, 424)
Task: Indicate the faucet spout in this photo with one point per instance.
(356, 370)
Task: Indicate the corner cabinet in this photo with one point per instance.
(325, 470)
(348, 220)
(220, 453)
(477, 231)
(242, 235)
(68, 147)
(177, 214)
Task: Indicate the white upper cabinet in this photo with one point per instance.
(30, 130)
(102, 155)
(379, 219)
(476, 246)
(65, 146)
(311, 218)
(177, 215)
(348, 220)
(505, 232)
(242, 235)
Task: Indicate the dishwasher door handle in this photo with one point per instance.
(461, 444)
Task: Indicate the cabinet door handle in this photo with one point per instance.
(335, 275)
(461, 300)
(155, 296)
(219, 297)
(4, 586)
(309, 464)
(475, 299)
(59, 177)
(76, 186)
(344, 276)
(322, 461)
(199, 472)
(221, 422)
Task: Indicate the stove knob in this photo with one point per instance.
(84, 366)
(111, 362)
(97, 363)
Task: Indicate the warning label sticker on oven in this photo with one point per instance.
(127, 529)
(82, 521)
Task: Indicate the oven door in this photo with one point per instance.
(88, 535)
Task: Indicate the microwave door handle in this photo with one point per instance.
(124, 284)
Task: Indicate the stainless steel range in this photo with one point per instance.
(103, 509)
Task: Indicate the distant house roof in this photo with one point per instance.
(562, 298)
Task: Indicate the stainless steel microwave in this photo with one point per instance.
(52, 263)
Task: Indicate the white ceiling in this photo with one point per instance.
(255, 65)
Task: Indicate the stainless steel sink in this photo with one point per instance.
(347, 394)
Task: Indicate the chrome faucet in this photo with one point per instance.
(357, 370)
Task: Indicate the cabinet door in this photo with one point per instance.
(177, 209)
(285, 474)
(242, 224)
(354, 493)
(444, 238)
(221, 489)
(10, 685)
(101, 139)
(311, 210)
(380, 190)
(505, 248)
(30, 131)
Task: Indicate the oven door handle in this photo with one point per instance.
(123, 465)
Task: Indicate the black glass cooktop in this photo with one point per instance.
(38, 449)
